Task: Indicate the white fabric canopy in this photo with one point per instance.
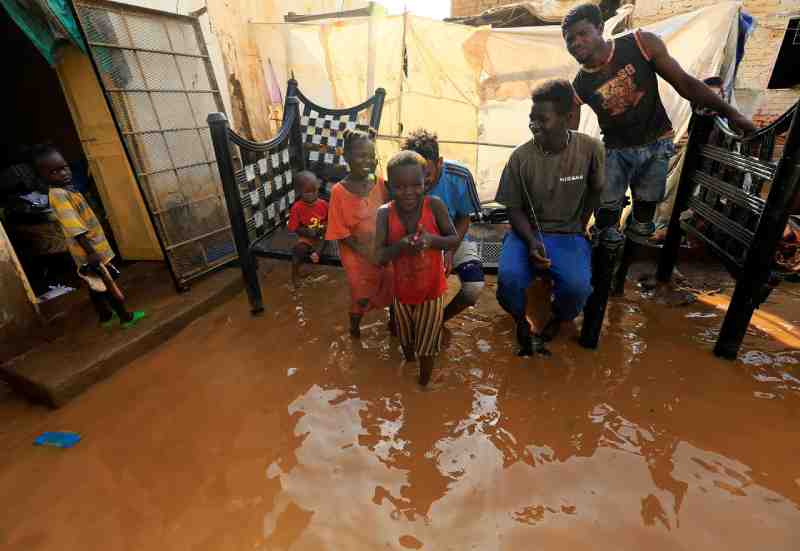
(471, 84)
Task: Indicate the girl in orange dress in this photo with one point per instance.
(351, 221)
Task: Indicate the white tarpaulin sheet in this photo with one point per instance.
(471, 84)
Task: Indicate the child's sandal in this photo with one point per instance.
(135, 317)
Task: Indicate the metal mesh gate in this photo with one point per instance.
(155, 70)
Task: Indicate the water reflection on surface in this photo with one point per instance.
(651, 440)
(325, 443)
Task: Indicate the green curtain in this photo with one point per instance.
(47, 23)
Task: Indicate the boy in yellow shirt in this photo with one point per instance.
(84, 235)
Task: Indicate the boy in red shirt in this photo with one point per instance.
(308, 218)
(412, 232)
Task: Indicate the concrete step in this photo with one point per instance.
(84, 353)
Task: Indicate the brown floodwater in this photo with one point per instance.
(279, 432)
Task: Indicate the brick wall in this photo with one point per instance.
(754, 72)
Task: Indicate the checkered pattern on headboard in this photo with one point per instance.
(257, 177)
(323, 135)
(266, 188)
(322, 129)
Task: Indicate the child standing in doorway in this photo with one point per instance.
(85, 238)
(412, 233)
(308, 218)
(351, 222)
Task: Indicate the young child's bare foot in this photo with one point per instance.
(355, 326)
(425, 369)
(392, 325)
(355, 319)
(295, 274)
(446, 337)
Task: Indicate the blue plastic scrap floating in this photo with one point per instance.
(58, 439)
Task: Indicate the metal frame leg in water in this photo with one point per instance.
(603, 261)
(699, 131)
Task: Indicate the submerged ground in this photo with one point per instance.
(279, 432)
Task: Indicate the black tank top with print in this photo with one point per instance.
(624, 95)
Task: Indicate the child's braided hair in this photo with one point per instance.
(351, 136)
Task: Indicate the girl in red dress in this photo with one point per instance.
(412, 233)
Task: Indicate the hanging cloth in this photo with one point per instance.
(49, 24)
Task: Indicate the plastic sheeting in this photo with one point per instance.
(471, 84)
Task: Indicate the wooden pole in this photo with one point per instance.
(371, 51)
(403, 75)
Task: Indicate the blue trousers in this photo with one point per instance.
(571, 271)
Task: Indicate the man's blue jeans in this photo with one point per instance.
(571, 271)
(643, 168)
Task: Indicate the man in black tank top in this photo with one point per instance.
(618, 79)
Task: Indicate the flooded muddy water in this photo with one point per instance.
(280, 432)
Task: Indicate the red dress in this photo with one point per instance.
(418, 277)
(352, 215)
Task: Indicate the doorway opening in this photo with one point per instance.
(39, 114)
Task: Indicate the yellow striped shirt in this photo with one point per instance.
(76, 218)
